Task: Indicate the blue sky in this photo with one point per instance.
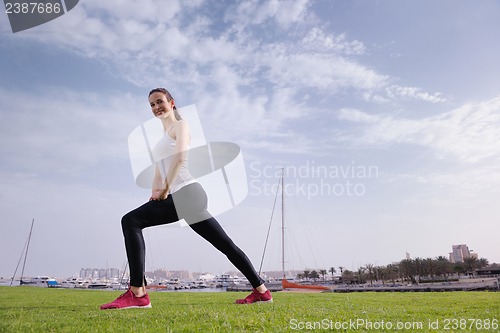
(406, 89)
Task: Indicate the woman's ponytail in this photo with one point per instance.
(177, 114)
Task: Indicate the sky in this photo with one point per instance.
(385, 116)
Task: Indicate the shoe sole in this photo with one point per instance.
(132, 307)
(269, 301)
(138, 307)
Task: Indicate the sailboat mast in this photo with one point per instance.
(283, 222)
(26, 254)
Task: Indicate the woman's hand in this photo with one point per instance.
(159, 195)
(159, 188)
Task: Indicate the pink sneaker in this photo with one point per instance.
(256, 297)
(127, 301)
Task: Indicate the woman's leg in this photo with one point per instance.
(150, 214)
(191, 204)
(211, 230)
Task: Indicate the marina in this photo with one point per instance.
(225, 283)
(218, 284)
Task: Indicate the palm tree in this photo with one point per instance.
(323, 272)
(482, 263)
(391, 272)
(341, 269)
(314, 275)
(370, 269)
(361, 273)
(407, 269)
(470, 264)
(429, 268)
(380, 273)
(459, 269)
(332, 270)
(419, 267)
(307, 274)
(348, 276)
(443, 267)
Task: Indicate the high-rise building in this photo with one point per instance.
(460, 252)
(99, 273)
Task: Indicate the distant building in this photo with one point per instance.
(460, 252)
(278, 275)
(181, 275)
(169, 275)
(203, 276)
(157, 274)
(493, 269)
(99, 273)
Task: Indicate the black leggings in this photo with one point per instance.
(199, 219)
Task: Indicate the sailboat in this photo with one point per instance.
(26, 248)
(285, 284)
(39, 281)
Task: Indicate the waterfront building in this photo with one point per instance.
(99, 273)
(460, 252)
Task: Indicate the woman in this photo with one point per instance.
(173, 182)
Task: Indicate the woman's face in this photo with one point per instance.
(160, 106)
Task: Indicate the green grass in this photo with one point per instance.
(31, 309)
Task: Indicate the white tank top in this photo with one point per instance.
(163, 155)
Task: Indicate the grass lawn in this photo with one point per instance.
(32, 309)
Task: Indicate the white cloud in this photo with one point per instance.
(320, 41)
(357, 116)
(370, 96)
(324, 71)
(231, 69)
(65, 131)
(470, 133)
(145, 10)
(144, 42)
(255, 12)
(394, 91)
(287, 13)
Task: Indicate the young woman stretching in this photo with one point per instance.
(173, 182)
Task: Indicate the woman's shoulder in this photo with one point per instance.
(181, 127)
(181, 124)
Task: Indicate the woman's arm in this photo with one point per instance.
(182, 138)
(158, 187)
